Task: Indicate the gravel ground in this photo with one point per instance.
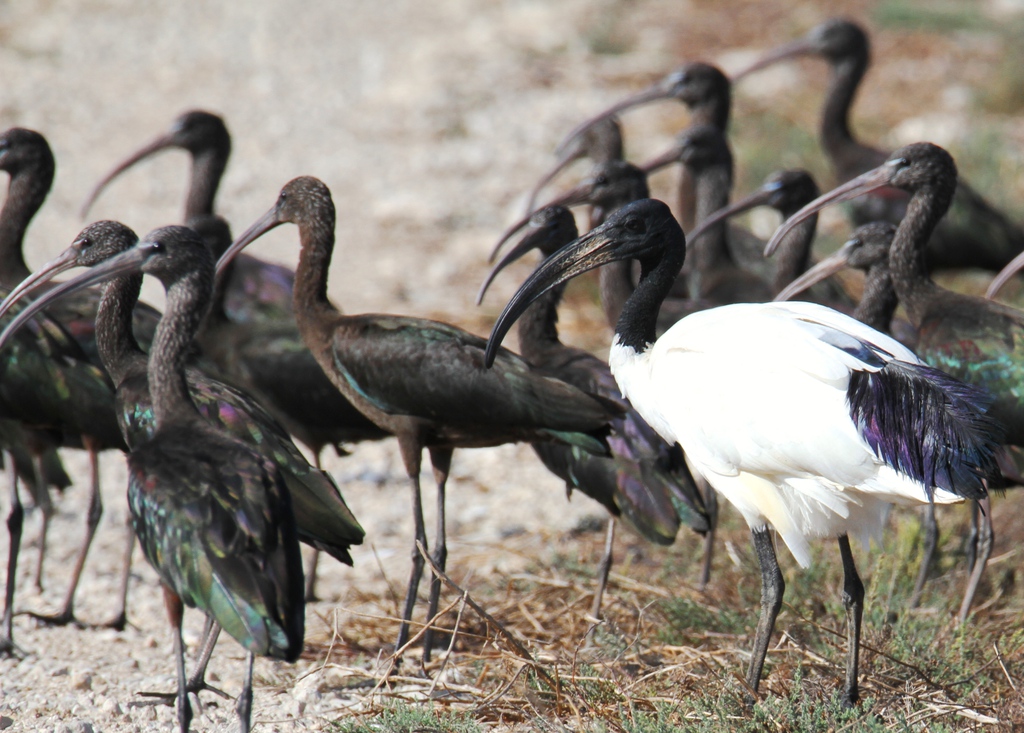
(428, 121)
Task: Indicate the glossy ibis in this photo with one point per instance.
(970, 338)
(422, 381)
(54, 379)
(808, 421)
(706, 93)
(213, 515)
(973, 235)
(324, 520)
(254, 290)
(643, 480)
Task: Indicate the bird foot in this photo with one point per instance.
(118, 623)
(193, 687)
(63, 618)
(10, 650)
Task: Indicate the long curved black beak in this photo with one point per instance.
(828, 267)
(589, 251)
(163, 142)
(128, 261)
(540, 236)
(863, 184)
(262, 225)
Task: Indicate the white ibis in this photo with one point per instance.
(809, 422)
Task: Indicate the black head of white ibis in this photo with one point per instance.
(975, 234)
(971, 338)
(600, 143)
(205, 137)
(422, 381)
(213, 516)
(795, 412)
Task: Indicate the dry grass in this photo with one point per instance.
(667, 657)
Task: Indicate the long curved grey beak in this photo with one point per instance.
(1004, 276)
(828, 267)
(62, 262)
(161, 143)
(799, 47)
(128, 261)
(262, 225)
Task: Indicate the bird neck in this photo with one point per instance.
(836, 138)
(637, 325)
(794, 251)
(207, 169)
(907, 259)
(187, 301)
(119, 351)
(711, 252)
(316, 236)
(26, 193)
(878, 302)
(538, 326)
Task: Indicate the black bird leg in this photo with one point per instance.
(175, 612)
(95, 512)
(604, 569)
(984, 551)
(244, 705)
(853, 600)
(412, 457)
(711, 505)
(314, 557)
(15, 519)
(43, 501)
(772, 588)
(931, 541)
(441, 460)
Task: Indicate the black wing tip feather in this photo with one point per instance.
(927, 425)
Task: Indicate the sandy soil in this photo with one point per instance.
(428, 120)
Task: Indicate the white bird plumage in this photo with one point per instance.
(797, 462)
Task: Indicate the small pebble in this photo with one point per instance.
(5, 722)
(81, 680)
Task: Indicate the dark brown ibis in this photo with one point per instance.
(971, 338)
(644, 481)
(706, 93)
(422, 381)
(253, 289)
(974, 234)
(323, 519)
(806, 420)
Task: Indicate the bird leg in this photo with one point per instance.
(772, 588)
(971, 550)
(175, 612)
(197, 681)
(314, 558)
(67, 613)
(42, 498)
(120, 619)
(244, 705)
(411, 456)
(15, 519)
(931, 541)
(984, 552)
(441, 460)
(853, 600)
(711, 505)
(603, 571)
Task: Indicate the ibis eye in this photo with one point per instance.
(635, 226)
(84, 243)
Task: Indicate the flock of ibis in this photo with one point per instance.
(811, 418)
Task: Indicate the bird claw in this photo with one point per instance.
(118, 623)
(10, 650)
(64, 618)
(192, 687)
